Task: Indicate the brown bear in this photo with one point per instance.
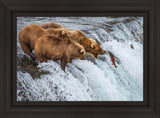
(50, 48)
(29, 34)
(51, 25)
(89, 45)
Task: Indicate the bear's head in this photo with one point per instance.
(94, 49)
(76, 51)
(56, 33)
(89, 45)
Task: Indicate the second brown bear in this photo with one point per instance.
(50, 48)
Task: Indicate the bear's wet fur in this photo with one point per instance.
(29, 35)
(89, 45)
(50, 48)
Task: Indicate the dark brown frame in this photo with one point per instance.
(9, 10)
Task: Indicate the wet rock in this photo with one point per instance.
(25, 64)
(109, 30)
(132, 46)
(103, 58)
(90, 58)
(126, 20)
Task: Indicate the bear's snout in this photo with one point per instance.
(102, 52)
(83, 58)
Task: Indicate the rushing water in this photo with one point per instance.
(91, 79)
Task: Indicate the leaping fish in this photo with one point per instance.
(112, 59)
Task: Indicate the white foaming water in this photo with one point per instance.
(85, 80)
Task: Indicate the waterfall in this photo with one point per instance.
(87, 80)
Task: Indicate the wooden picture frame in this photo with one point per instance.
(10, 108)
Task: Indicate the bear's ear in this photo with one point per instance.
(91, 39)
(92, 45)
(63, 33)
(81, 51)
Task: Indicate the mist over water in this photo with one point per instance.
(91, 79)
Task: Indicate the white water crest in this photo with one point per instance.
(90, 79)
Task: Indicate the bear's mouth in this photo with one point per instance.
(102, 52)
(83, 58)
(97, 56)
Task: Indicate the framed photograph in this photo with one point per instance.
(79, 59)
(46, 80)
